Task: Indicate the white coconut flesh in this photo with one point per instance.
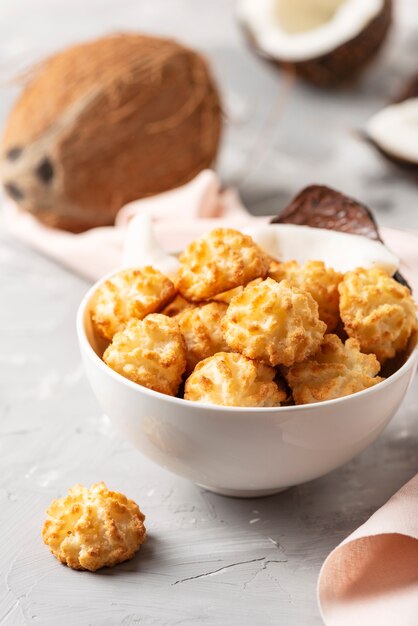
(300, 16)
(395, 130)
(299, 30)
(341, 251)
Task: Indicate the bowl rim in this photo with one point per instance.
(87, 347)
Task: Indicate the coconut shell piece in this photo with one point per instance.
(107, 122)
(346, 62)
(409, 168)
(322, 207)
(342, 64)
(408, 90)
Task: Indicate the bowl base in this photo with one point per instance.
(243, 493)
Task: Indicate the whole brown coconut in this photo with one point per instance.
(107, 122)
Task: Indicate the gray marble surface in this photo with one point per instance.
(209, 559)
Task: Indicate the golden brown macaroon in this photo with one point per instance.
(273, 268)
(273, 322)
(336, 370)
(176, 306)
(93, 528)
(150, 352)
(201, 328)
(230, 379)
(320, 281)
(378, 311)
(227, 296)
(333, 350)
(222, 260)
(131, 293)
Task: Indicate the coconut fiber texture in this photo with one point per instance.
(107, 122)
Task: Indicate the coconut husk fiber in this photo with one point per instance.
(107, 122)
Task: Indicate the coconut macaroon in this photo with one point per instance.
(220, 261)
(333, 350)
(176, 306)
(227, 296)
(201, 329)
(320, 281)
(230, 379)
(93, 528)
(336, 370)
(377, 311)
(150, 352)
(273, 322)
(131, 293)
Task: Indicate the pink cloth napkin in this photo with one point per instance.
(372, 577)
(178, 217)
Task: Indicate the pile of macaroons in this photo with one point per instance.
(239, 328)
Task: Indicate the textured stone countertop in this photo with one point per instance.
(209, 559)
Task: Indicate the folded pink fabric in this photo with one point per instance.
(372, 576)
(178, 217)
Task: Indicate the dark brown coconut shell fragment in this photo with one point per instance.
(319, 206)
(344, 63)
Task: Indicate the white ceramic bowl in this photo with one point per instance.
(241, 451)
